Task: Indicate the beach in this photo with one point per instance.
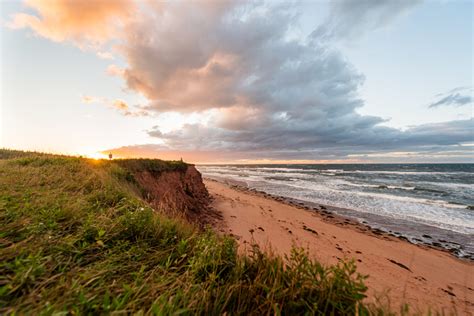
(398, 271)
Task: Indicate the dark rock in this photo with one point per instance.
(377, 231)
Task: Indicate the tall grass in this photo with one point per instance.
(76, 238)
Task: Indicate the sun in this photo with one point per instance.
(95, 155)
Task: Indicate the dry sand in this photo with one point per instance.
(405, 273)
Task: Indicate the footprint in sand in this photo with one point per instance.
(310, 230)
(401, 265)
(448, 291)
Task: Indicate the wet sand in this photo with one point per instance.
(399, 272)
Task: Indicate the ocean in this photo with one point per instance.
(426, 203)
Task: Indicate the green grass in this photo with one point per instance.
(76, 238)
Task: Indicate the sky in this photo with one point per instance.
(239, 82)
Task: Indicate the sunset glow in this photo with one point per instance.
(96, 156)
(239, 82)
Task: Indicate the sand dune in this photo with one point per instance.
(420, 276)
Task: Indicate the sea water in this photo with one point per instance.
(427, 203)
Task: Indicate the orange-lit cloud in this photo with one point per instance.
(120, 105)
(210, 84)
(83, 22)
(89, 99)
(117, 104)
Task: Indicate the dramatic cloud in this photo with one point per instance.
(352, 19)
(456, 97)
(341, 138)
(266, 94)
(83, 22)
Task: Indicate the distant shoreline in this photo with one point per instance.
(420, 275)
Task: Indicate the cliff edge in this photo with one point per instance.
(177, 190)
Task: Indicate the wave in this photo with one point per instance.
(429, 190)
(411, 172)
(323, 187)
(381, 186)
(279, 178)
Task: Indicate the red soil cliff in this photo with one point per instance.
(179, 193)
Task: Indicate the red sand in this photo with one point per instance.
(423, 277)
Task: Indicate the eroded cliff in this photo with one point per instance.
(177, 191)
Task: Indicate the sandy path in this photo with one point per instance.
(419, 276)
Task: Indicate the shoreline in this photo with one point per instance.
(421, 275)
(345, 216)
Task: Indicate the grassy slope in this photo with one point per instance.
(75, 236)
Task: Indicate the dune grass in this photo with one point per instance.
(76, 238)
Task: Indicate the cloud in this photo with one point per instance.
(105, 55)
(456, 97)
(114, 70)
(353, 19)
(415, 154)
(341, 139)
(121, 106)
(126, 110)
(266, 94)
(238, 61)
(89, 99)
(86, 23)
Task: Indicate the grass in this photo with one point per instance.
(76, 238)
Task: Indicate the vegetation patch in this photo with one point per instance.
(77, 238)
